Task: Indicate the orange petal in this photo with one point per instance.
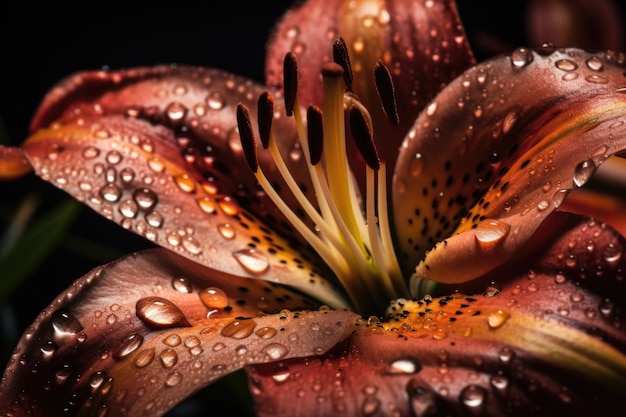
(521, 131)
(13, 163)
(156, 150)
(141, 334)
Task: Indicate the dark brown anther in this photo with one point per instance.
(341, 57)
(265, 113)
(315, 130)
(290, 81)
(363, 137)
(386, 92)
(248, 143)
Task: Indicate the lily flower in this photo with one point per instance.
(383, 229)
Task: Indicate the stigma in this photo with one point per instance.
(352, 232)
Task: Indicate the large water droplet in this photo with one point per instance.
(266, 332)
(490, 231)
(185, 183)
(128, 346)
(566, 65)
(145, 358)
(239, 329)
(128, 209)
(281, 373)
(473, 396)
(145, 198)
(521, 57)
(207, 204)
(276, 351)
(110, 192)
(182, 284)
(498, 318)
(215, 101)
(252, 260)
(173, 379)
(583, 171)
(404, 366)
(159, 312)
(168, 358)
(214, 297)
(192, 245)
(226, 230)
(175, 111)
(63, 322)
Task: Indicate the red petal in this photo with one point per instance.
(157, 151)
(521, 131)
(423, 44)
(141, 334)
(13, 163)
(548, 341)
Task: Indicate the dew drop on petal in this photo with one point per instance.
(144, 358)
(145, 198)
(182, 284)
(266, 332)
(281, 373)
(185, 183)
(566, 65)
(213, 297)
(583, 171)
(173, 379)
(521, 57)
(239, 329)
(63, 322)
(252, 260)
(168, 358)
(497, 318)
(130, 344)
(491, 231)
(159, 312)
(207, 205)
(226, 230)
(192, 245)
(276, 351)
(175, 111)
(473, 396)
(404, 366)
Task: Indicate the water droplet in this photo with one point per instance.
(612, 254)
(206, 204)
(276, 351)
(431, 109)
(370, 406)
(215, 101)
(252, 260)
(213, 297)
(175, 111)
(173, 379)
(473, 396)
(156, 164)
(159, 312)
(128, 346)
(521, 57)
(566, 65)
(173, 340)
(226, 230)
(597, 79)
(266, 332)
(182, 285)
(506, 354)
(154, 219)
(583, 171)
(185, 183)
(416, 165)
(114, 157)
(595, 63)
(128, 209)
(499, 382)
(145, 358)
(48, 349)
(192, 245)
(127, 175)
(281, 373)
(228, 206)
(90, 152)
(168, 357)
(404, 366)
(498, 318)
(145, 198)
(63, 322)
(110, 192)
(490, 231)
(239, 329)
(542, 205)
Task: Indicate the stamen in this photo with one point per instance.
(290, 81)
(248, 143)
(386, 92)
(363, 137)
(265, 112)
(341, 57)
(316, 134)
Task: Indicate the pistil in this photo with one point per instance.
(355, 243)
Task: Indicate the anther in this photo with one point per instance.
(248, 143)
(290, 81)
(341, 57)
(332, 69)
(265, 112)
(363, 137)
(386, 92)
(315, 131)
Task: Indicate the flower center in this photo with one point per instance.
(355, 242)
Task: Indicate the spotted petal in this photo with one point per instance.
(547, 342)
(423, 44)
(141, 334)
(157, 151)
(521, 131)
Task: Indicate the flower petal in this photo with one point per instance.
(157, 151)
(423, 44)
(521, 132)
(13, 163)
(141, 334)
(547, 342)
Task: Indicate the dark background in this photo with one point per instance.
(40, 44)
